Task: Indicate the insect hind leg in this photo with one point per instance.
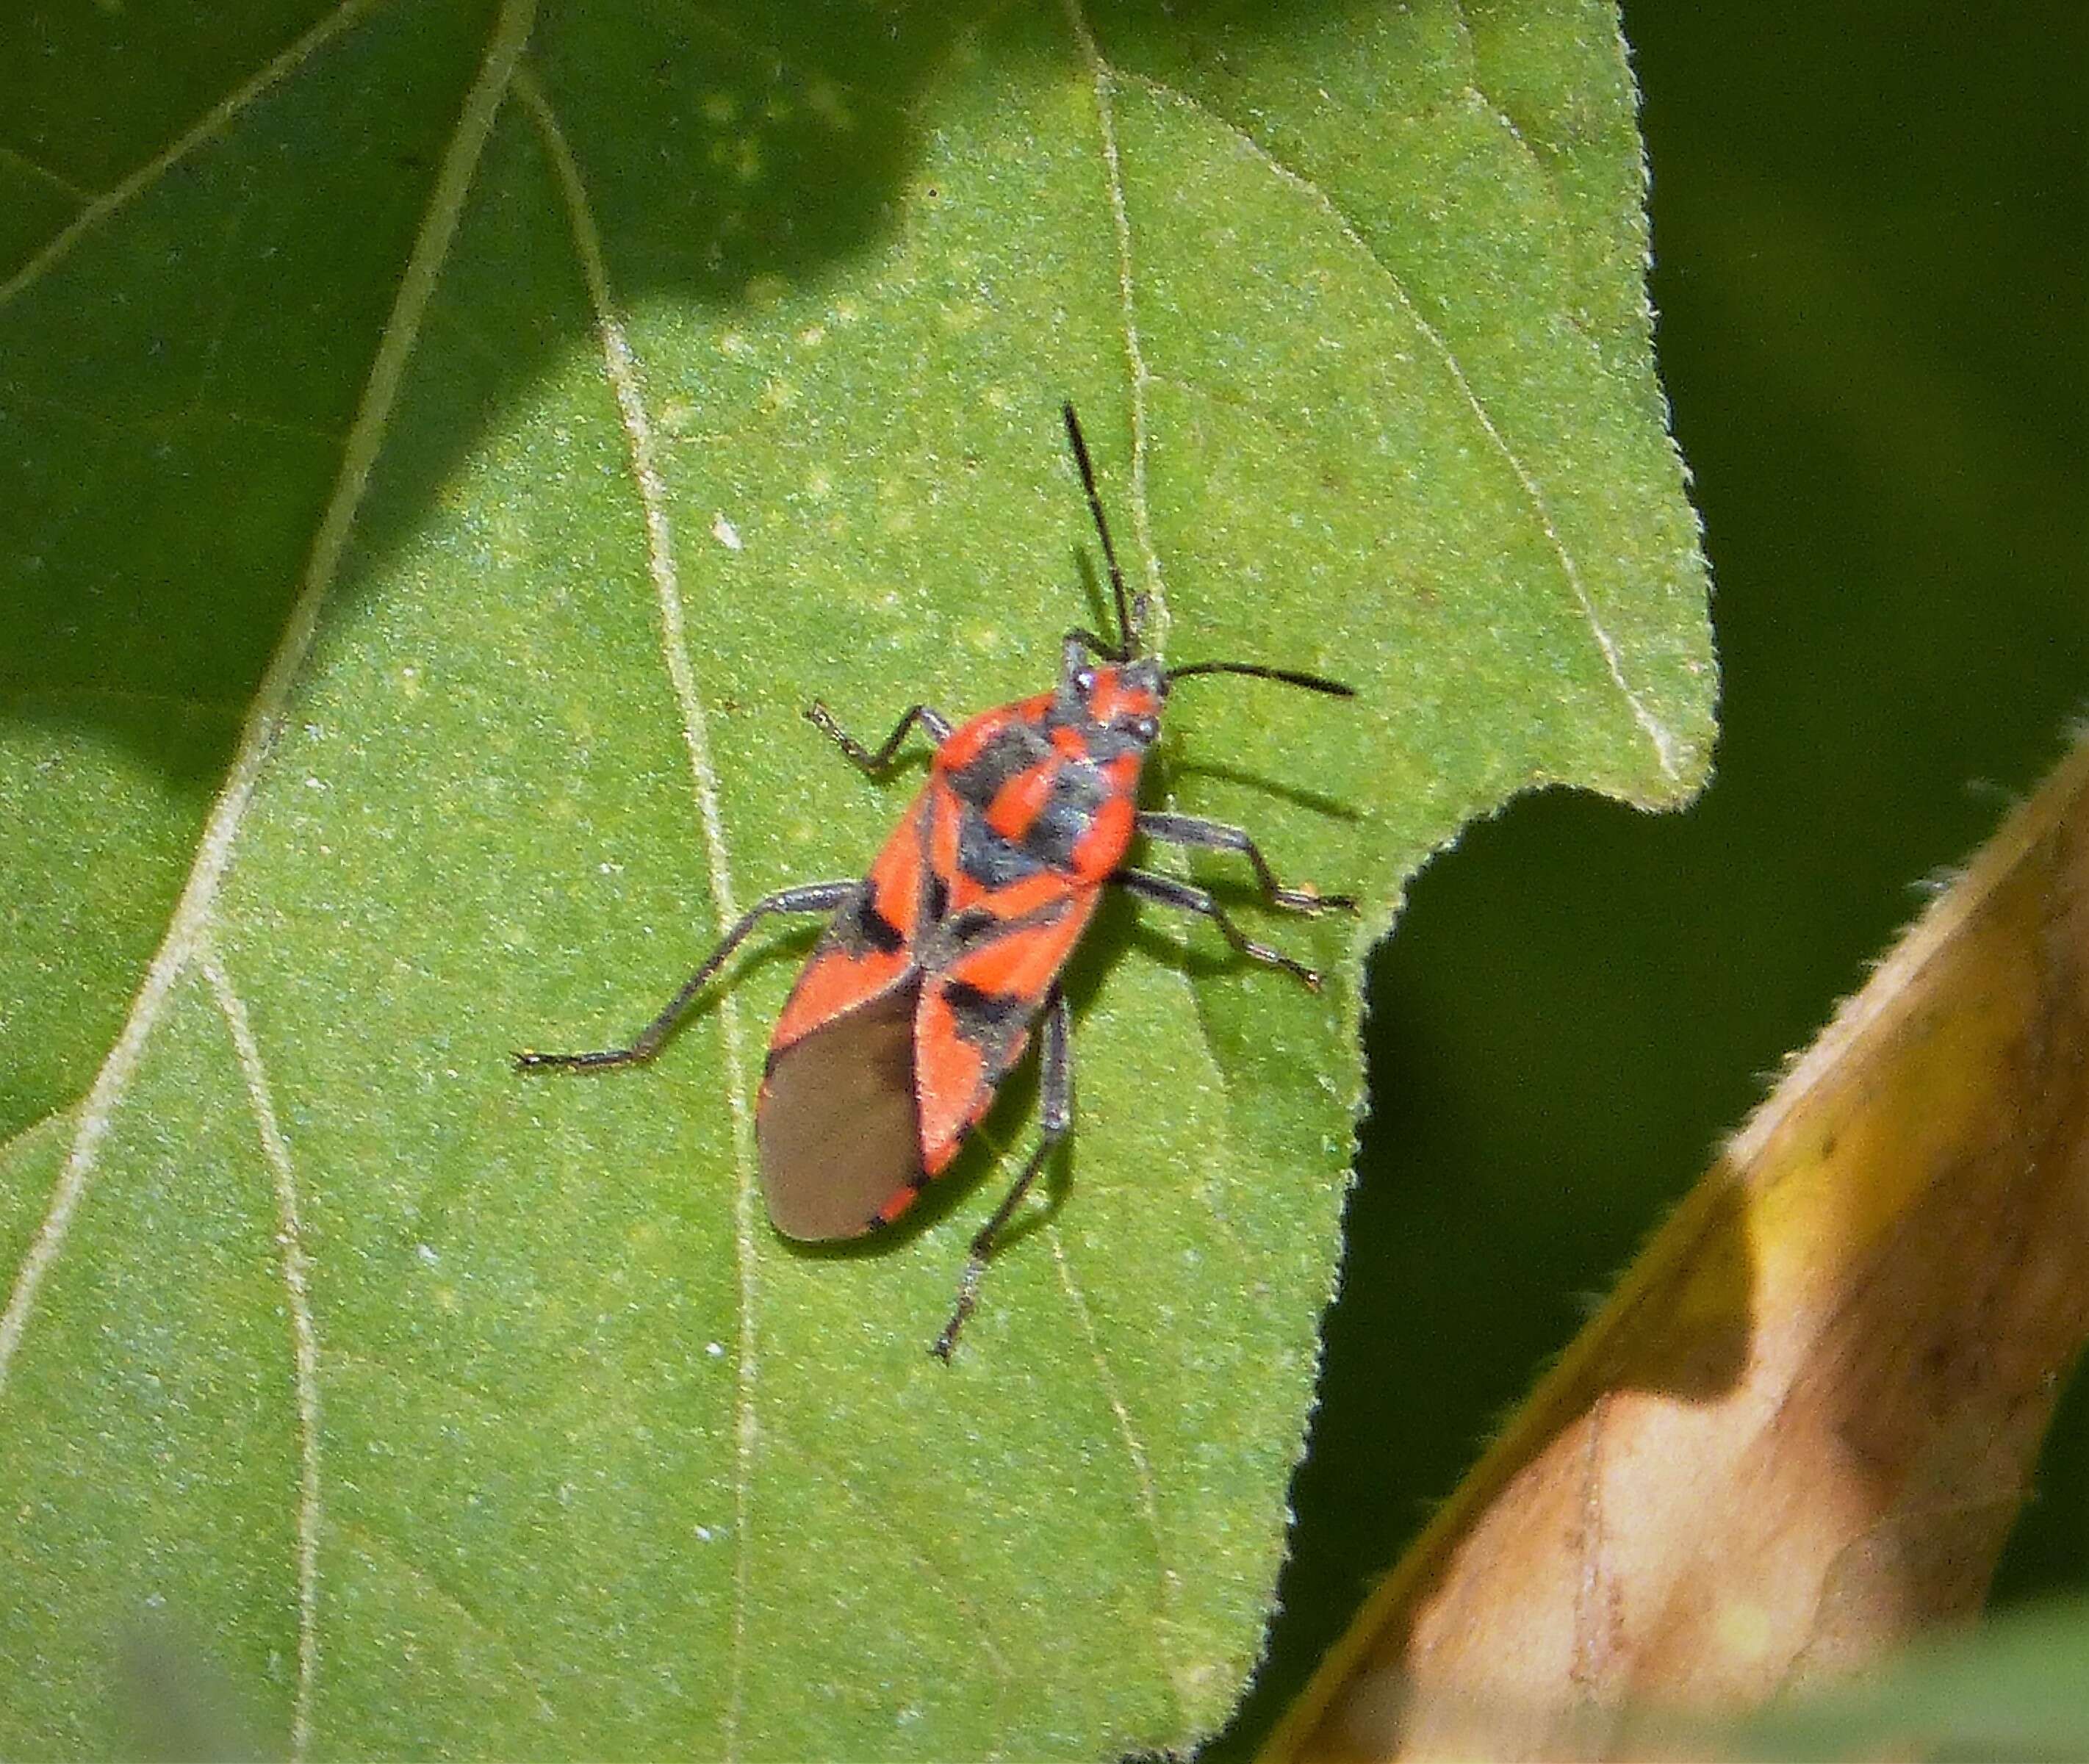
(1194, 830)
(932, 720)
(808, 897)
(1055, 1116)
(1169, 893)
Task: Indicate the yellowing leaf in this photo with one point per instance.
(1798, 1433)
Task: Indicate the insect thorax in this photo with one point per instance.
(1031, 793)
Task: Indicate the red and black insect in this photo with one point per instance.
(920, 996)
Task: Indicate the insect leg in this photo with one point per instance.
(1215, 836)
(1055, 1115)
(938, 725)
(810, 897)
(1170, 892)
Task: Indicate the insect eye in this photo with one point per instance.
(1084, 681)
(1146, 730)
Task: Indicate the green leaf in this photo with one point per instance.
(445, 449)
(2013, 1688)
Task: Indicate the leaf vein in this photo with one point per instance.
(1663, 740)
(58, 181)
(48, 1122)
(193, 911)
(519, 1671)
(100, 208)
(159, 425)
(1104, 79)
(296, 1266)
(939, 1574)
(1142, 1465)
(1496, 109)
(79, 693)
(1143, 377)
(620, 368)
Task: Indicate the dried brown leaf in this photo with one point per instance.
(1798, 1433)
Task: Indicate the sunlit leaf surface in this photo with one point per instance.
(441, 450)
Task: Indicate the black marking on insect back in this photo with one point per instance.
(1015, 748)
(974, 926)
(937, 902)
(1106, 743)
(1067, 710)
(876, 931)
(982, 1017)
(1078, 791)
(859, 927)
(987, 859)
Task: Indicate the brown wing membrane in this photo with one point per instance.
(838, 1128)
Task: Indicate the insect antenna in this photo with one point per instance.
(1312, 683)
(1126, 627)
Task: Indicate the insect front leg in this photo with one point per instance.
(810, 897)
(1169, 893)
(1055, 1115)
(1194, 830)
(934, 721)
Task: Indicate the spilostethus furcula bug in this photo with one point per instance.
(921, 995)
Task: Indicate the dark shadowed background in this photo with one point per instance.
(1869, 227)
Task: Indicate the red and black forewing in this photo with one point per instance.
(974, 1016)
(920, 997)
